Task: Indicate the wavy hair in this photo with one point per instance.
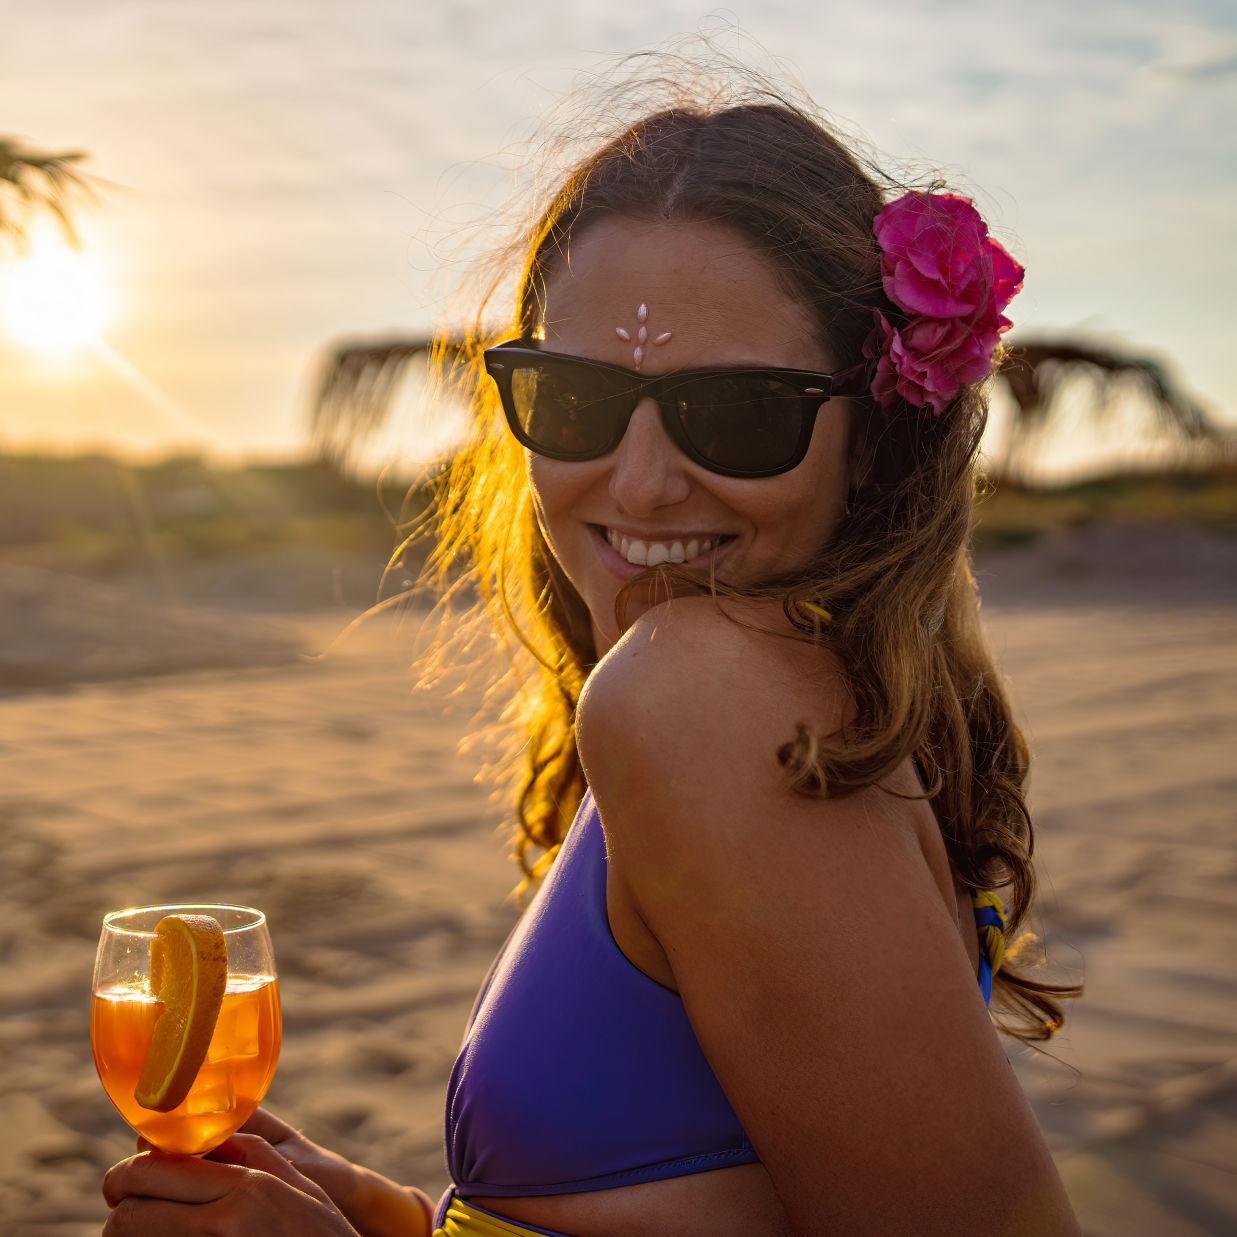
(891, 593)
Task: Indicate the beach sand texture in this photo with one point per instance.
(332, 794)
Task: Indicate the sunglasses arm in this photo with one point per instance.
(857, 380)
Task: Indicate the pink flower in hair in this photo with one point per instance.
(940, 266)
(929, 359)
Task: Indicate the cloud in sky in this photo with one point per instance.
(297, 171)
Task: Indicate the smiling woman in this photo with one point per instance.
(779, 795)
(54, 298)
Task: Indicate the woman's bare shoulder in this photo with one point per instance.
(680, 731)
(704, 678)
(757, 627)
(682, 724)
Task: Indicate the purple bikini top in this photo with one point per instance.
(578, 1071)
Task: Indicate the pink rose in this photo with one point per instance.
(929, 359)
(953, 281)
(938, 259)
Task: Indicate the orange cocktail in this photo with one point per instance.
(229, 1086)
(184, 1020)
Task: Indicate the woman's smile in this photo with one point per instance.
(642, 549)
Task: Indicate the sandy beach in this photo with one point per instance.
(153, 753)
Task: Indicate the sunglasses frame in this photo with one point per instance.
(814, 389)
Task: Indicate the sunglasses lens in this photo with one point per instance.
(565, 411)
(748, 423)
(744, 423)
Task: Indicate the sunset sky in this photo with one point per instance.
(283, 174)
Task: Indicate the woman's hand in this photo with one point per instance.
(257, 1193)
(373, 1204)
(248, 1186)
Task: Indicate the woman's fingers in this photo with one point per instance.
(185, 1179)
(373, 1204)
(145, 1217)
(266, 1125)
(180, 1178)
(257, 1192)
(331, 1172)
(254, 1152)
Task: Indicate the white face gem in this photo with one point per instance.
(642, 335)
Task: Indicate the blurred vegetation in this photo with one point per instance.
(95, 515)
(1011, 514)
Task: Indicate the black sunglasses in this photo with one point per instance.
(738, 422)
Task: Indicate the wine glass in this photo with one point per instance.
(243, 1050)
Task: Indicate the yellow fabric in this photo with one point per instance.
(819, 611)
(991, 939)
(988, 898)
(462, 1220)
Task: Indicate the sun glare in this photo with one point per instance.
(54, 298)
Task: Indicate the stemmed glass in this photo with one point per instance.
(243, 1050)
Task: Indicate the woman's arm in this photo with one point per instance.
(373, 1204)
(820, 966)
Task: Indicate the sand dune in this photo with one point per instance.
(332, 794)
(56, 628)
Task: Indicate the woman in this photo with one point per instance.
(750, 996)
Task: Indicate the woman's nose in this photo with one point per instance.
(648, 470)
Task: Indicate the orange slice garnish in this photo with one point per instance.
(188, 975)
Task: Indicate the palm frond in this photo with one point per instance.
(356, 389)
(33, 181)
(1037, 371)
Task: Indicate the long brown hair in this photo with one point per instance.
(893, 580)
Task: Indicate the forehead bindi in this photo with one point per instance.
(699, 293)
(643, 340)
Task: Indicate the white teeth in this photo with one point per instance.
(651, 553)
